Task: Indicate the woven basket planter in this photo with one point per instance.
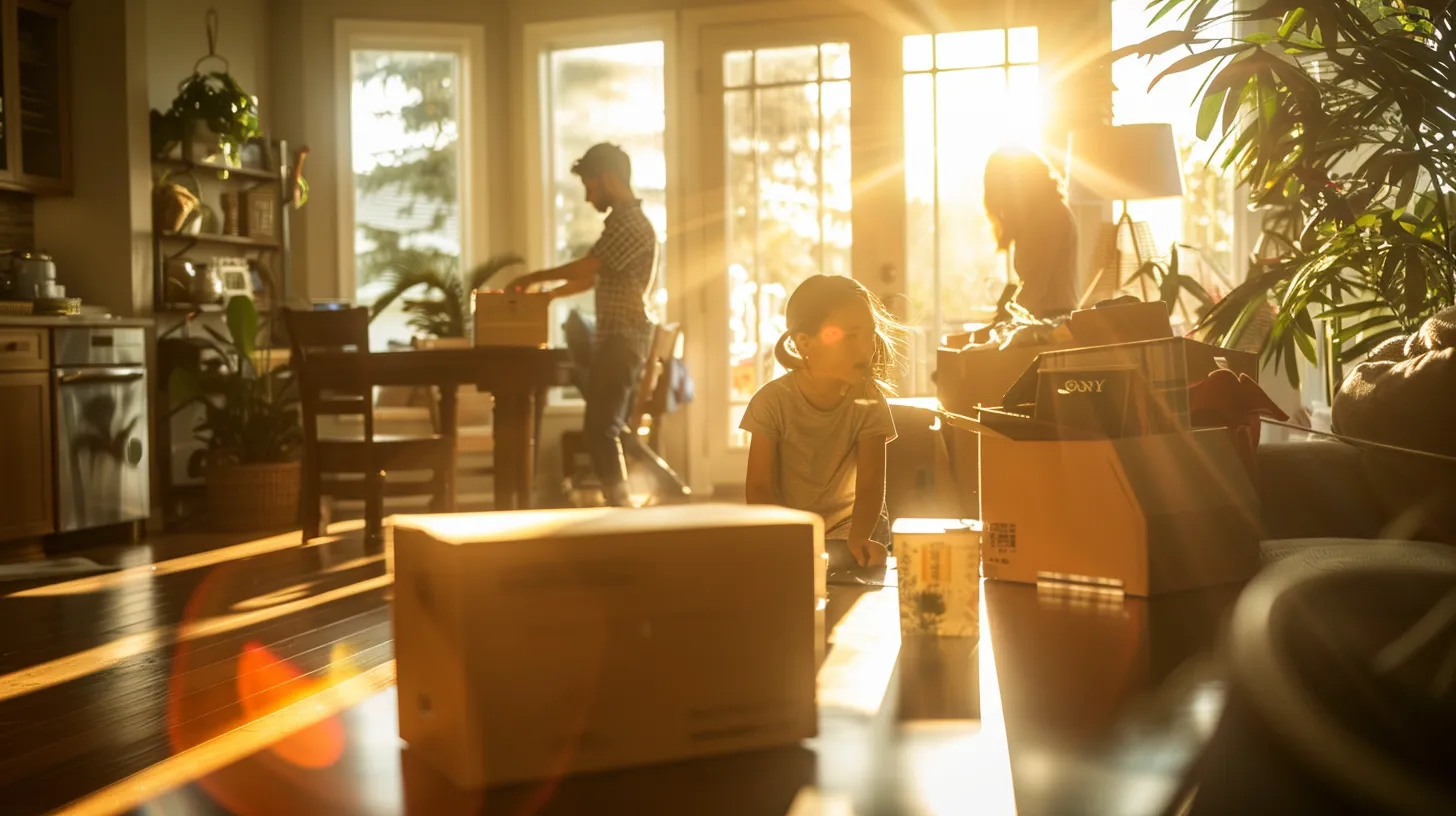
(253, 497)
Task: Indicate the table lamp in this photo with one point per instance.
(1121, 163)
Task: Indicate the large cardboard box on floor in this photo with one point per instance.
(536, 644)
(1146, 514)
(512, 319)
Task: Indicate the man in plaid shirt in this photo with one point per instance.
(620, 267)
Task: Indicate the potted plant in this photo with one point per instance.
(440, 312)
(250, 426)
(209, 108)
(444, 309)
(1171, 286)
(1337, 113)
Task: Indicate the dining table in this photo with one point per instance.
(517, 377)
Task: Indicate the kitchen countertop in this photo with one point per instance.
(76, 320)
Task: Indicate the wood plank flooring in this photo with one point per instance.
(104, 677)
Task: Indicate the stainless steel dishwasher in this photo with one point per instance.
(102, 471)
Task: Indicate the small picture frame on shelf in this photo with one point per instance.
(260, 212)
(236, 277)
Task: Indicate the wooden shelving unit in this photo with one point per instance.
(223, 171)
(219, 239)
(274, 253)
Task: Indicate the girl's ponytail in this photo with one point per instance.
(781, 353)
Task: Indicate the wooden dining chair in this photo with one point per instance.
(343, 393)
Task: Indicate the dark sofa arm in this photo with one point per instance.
(1316, 490)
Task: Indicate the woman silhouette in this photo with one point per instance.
(1024, 202)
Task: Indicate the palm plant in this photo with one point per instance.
(1171, 285)
(1341, 111)
(444, 310)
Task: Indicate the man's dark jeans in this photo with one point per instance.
(610, 383)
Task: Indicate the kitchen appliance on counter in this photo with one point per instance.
(102, 470)
(28, 286)
(30, 275)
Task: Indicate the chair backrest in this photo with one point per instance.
(659, 357)
(346, 393)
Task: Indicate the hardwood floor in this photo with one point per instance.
(255, 676)
(106, 676)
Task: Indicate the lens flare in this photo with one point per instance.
(267, 683)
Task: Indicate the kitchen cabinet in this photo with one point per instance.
(35, 96)
(26, 506)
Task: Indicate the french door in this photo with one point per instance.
(802, 170)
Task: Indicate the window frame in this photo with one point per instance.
(465, 40)
(937, 320)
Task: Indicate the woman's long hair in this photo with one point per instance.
(810, 306)
(1020, 188)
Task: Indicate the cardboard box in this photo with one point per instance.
(1146, 514)
(918, 480)
(967, 378)
(1169, 366)
(938, 571)
(536, 644)
(1126, 323)
(512, 319)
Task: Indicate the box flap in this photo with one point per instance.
(528, 525)
(1017, 428)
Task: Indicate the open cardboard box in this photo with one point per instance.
(512, 319)
(968, 378)
(1147, 514)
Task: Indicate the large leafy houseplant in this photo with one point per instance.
(250, 425)
(444, 309)
(250, 408)
(1338, 114)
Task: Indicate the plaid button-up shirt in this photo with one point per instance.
(628, 253)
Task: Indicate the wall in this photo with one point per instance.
(177, 38)
(99, 236)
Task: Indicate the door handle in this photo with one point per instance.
(98, 375)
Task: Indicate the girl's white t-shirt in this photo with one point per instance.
(817, 451)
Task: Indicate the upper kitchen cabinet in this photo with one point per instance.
(35, 65)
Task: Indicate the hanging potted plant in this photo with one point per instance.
(211, 111)
(250, 426)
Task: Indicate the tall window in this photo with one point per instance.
(786, 121)
(405, 130)
(1203, 219)
(607, 93)
(967, 94)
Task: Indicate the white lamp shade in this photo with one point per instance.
(1122, 163)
